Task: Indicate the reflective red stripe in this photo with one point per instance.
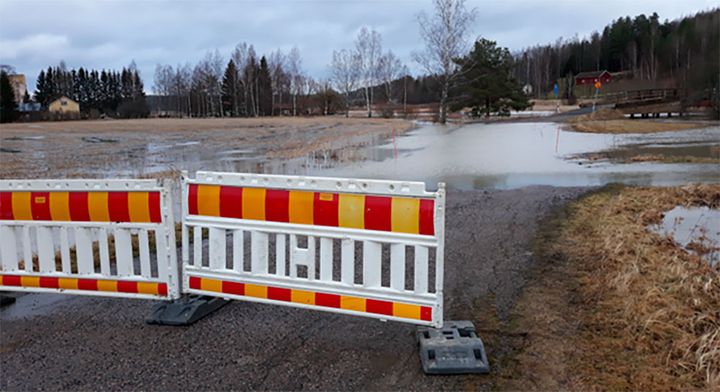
(11, 280)
(79, 207)
(279, 294)
(230, 287)
(90, 284)
(162, 289)
(194, 283)
(277, 204)
(230, 202)
(379, 307)
(49, 282)
(118, 207)
(6, 206)
(427, 216)
(377, 213)
(325, 209)
(425, 313)
(40, 205)
(154, 205)
(127, 287)
(193, 199)
(328, 300)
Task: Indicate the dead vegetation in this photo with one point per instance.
(613, 121)
(616, 306)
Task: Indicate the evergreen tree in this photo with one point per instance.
(8, 106)
(486, 83)
(264, 86)
(230, 90)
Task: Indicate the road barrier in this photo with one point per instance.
(361, 247)
(93, 237)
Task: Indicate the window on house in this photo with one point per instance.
(63, 103)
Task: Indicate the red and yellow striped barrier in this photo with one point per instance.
(114, 206)
(349, 210)
(116, 286)
(357, 304)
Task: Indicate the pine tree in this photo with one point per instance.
(8, 106)
(229, 90)
(264, 86)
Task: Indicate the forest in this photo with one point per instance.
(684, 53)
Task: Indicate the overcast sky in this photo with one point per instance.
(109, 34)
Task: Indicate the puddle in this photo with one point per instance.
(694, 228)
(25, 138)
(95, 139)
(513, 155)
(32, 305)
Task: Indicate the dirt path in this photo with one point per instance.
(93, 343)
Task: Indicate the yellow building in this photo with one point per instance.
(64, 105)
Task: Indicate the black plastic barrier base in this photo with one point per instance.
(184, 311)
(453, 349)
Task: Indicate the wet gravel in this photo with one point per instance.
(104, 344)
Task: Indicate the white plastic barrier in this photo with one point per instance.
(92, 237)
(360, 247)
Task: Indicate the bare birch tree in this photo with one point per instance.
(368, 46)
(445, 35)
(390, 68)
(345, 70)
(294, 70)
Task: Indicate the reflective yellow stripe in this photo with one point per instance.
(352, 303)
(108, 285)
(303, 297)
(301, 207)
(98, 206)
(150, 288)
(30, 281)
(139, 206)
(68, 283)
(208, 199)
(253, 203)
(405, 215)
(60, 206)
(21, 206)
(253, 290)
(406, 311)
(208, 285)
(351, 211)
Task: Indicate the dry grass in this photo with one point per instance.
(647, 309)
(613, 121)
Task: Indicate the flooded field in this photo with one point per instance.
(696, 229)
(501, 155)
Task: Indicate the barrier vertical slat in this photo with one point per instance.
(259, 252)
(144, 245)
(326, 259)
(46, 250)
(421, 269)
(104, 252)
(280, 255)
(162, 255)
(83, 251)
(185, 238)
(123, 252)
(8, 248)
(197, 246)
(372, 257)
(217, 248)
(238, 250)
(27, 249)
(310, 257)
(347, 258)
(65, 251)
(397, 266)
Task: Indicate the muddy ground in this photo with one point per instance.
(104, 344)
(157, 147)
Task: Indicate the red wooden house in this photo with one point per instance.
(591, 77)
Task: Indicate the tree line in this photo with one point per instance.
(108, 92)
(686, 51)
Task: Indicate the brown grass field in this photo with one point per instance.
(611, 121)
(618, 307)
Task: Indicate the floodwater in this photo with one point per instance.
(697, 225)
(513, 155)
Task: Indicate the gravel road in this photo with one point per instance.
(103, 344)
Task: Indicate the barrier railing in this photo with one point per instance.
(360, 247)
(92, 237)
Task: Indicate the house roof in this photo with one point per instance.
(65, 98)
(590, 74)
